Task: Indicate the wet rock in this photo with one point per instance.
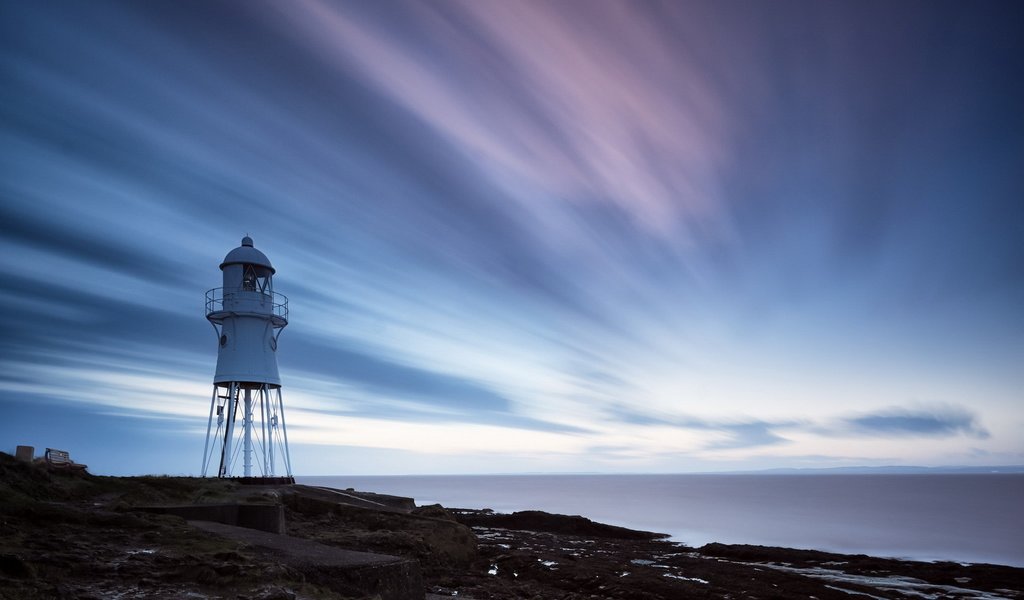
(535, 520)
(277, 593)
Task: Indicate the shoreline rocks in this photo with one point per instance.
(74, 535)
(540, 521)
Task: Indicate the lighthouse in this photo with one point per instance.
(246, 411)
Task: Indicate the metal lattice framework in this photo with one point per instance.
(261, 444)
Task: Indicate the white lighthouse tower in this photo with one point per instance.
(248, 316)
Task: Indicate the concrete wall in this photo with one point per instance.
(264, 517)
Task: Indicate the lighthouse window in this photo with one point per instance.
(223, 340)
(249, 279)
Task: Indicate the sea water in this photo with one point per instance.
(963, 517)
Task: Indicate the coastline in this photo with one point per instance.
(969, 518)
(75, 535)
(647, 565)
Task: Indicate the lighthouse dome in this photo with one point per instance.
(247, 255)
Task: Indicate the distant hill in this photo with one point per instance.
(889, 470)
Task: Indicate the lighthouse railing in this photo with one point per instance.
(215, 301)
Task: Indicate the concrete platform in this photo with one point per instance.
(344, 571)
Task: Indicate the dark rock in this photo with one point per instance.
(13, 566)
(436, 543)
(535, 520)
(276, 594)
(345, 572)
(205, 574)
(435, 511)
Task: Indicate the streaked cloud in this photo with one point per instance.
(939, 421)
(748, 435)
(639, 123)
(640, 236)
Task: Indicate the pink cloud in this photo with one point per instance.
(589, 107)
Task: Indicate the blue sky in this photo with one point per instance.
(522, 236)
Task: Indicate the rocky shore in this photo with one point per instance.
(74, 535)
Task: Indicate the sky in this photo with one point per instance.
(559, 236)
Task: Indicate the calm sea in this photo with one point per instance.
(965, 518)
